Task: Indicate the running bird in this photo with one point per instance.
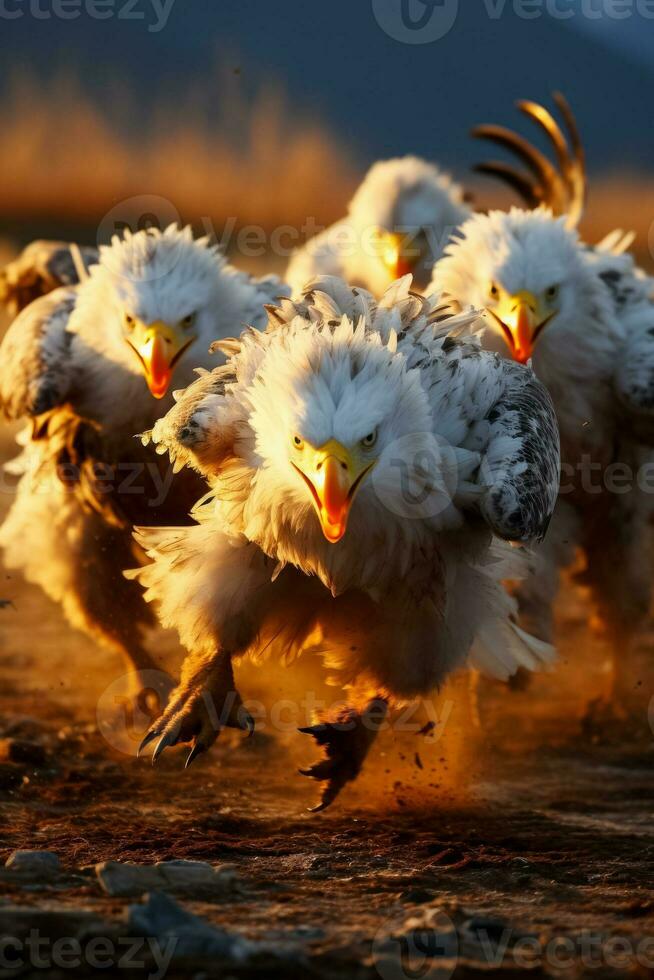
(399, 221)
(585, 314)
(90, 365)
(364, 467)
(581, 317)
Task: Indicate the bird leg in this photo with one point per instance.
(346, 741)
(205, 701)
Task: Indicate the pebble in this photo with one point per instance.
(131, 880)
(44, 864)
(163, 919)
(22, 750)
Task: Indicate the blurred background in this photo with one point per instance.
(262, 113)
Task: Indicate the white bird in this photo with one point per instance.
(398, 222)
(91, 365)
(364, 467)
(583, 319)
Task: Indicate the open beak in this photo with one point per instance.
(399, 253)
(159, 348)
(333, 477)
(522, 318)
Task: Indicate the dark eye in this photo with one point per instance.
(298, 443)
(188, 321)
(494, 291)
(552, 293)
(129, 321)
(369, 440)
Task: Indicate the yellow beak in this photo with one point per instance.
(398, 252)
(522, 318)
(333, 478)
(159, 348)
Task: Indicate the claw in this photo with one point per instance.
(149, 737)
(248, 724)
(166, 739)
(197, 749)
(319, 770)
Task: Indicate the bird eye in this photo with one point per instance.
(188, 321)
(369, 440)
(494, 291)
(552, 293)
(298, 443)
(129, 321)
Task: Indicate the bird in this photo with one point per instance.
(88, 365)
(366, 472)
(406, 210)
(399, 221)
(582, 318)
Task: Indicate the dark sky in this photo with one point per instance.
(338, 64)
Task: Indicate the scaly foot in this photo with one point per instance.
(346, 742)
(205, 702)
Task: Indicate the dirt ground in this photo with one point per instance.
(519, 844)
(524, 845)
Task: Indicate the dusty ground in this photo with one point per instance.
(528, 827)
(522, 846)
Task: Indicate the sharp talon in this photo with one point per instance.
(248, 725)
(319, 807)
(163, 743)
(197, 749)
(149, 737)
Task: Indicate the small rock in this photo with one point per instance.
(22, 750)
(161, 918)
(42, 864)
(182, 874)
(131, 880)
(417, 896)
(127, 880)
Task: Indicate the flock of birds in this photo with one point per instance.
(356, 452)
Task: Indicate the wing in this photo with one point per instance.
(500, 414)
(35, 364)
(634, 376)
(201, 428)
(41, 267)
(521, 461)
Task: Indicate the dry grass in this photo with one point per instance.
(65, 161)
(63, 158)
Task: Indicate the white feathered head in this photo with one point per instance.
(329, 403)
(527, 270)
(408, 209)
(152, 297)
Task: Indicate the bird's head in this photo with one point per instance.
(159, 293)
(405, 211)
(525, 269)
(330, 401)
